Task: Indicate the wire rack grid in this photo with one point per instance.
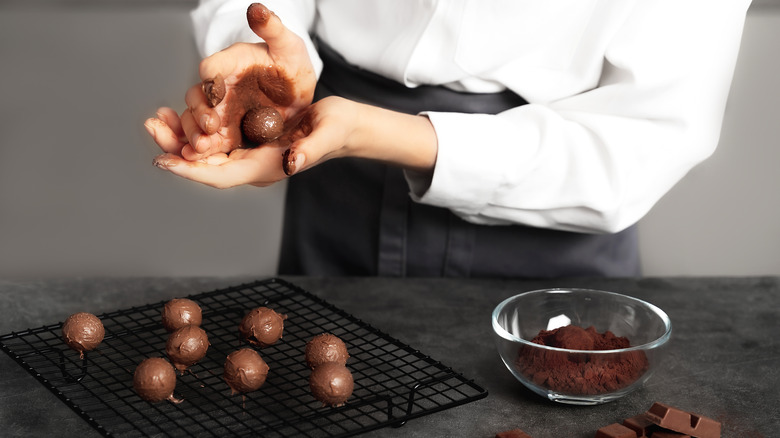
(393, 382)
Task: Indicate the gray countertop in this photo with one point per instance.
(722, 360)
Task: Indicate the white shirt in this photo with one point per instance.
(625, 96)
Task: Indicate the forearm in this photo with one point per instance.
(399, 139)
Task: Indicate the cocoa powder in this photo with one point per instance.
(581, 373)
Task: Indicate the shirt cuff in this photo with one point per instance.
(477, 155)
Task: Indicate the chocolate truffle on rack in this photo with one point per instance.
(186, 346)
(179, 312)
(326, 348)
(154, 380)
(245, 370)
(262, 327)
(83, 332)
(331, 383)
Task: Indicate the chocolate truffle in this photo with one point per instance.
(331, 383)
(326, 348)
(154, 380)
(262, 125)
(245, 370)
(262, 327)
(186, 346)
(83, 332)
(179, 312)
(215, 90)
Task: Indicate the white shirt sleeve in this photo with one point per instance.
(220, 23)
(597, 161)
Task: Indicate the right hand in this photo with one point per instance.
(283, 63)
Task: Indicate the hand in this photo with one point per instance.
(275, 73)
(330, 128)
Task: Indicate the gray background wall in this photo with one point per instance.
(79, 196)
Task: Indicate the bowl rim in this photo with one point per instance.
(500, 331)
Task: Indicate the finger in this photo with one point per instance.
(228, 174)
(267, 25)
(202, 113)
(201, 142)
(189, 154)
(164, 136)
(311, 146)
(171, 118)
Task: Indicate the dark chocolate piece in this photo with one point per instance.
(640, 424)
(262, 125)
(154, 380)
(615, 430)
(683, 422)
(514, 433)
(179, 312)
(245, 370)
(215, 90)
(262, 327)
(186, 346)
(331, 383)
(83, 332)
(326, 348)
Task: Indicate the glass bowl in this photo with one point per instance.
(580, 376)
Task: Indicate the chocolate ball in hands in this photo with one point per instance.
(261, 125)
(83, 332)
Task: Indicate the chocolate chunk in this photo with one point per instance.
(615, 430)
(668, 434)
(683, 422)
(514, 433)
(640, 424)
(215, 90)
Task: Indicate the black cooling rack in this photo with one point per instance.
(393, 382)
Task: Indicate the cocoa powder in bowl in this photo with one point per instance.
(581, 373)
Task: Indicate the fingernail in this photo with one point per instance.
(205, 121)
(292, 162)
(194, 141)
(149, 128)
(163, 162)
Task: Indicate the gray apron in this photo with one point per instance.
(353, 217)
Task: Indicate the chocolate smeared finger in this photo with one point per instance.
(214, 89)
